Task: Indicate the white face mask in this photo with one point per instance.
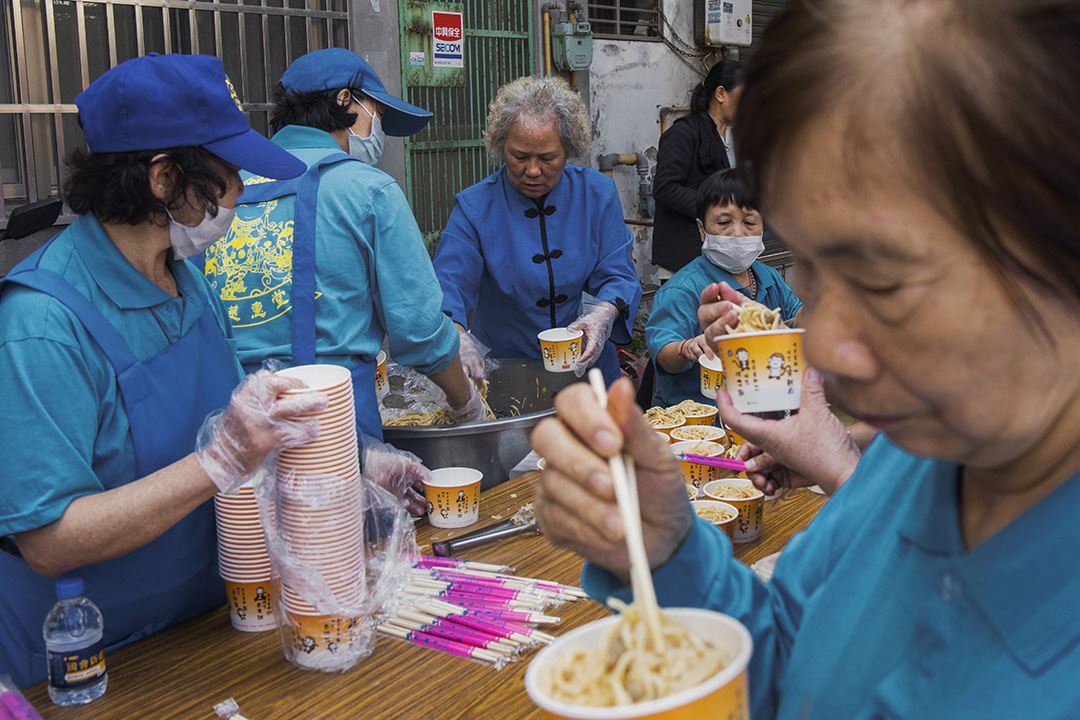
(733, 253)
(187, 241)
(368, 149)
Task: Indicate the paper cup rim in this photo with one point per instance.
(720, 433)
(675, 446)
(435, 474)
(715, 364)
(544, 335)
(710, 501)
(741, 482)
(692, 618)
(321, 377)
(734, 336)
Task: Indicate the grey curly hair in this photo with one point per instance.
(534, 102)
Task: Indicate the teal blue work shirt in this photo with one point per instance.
(373, 275)
(878, 611)
(63, 419)
(674, 319)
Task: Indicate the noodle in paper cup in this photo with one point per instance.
(699, 432)
(720, 514)
(699, 474)
(744, 497)
(724, 695)
(763, 370)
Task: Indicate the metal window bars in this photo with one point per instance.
(55, 48)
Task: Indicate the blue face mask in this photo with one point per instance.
(368, 149)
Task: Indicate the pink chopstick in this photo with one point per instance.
(736, 465)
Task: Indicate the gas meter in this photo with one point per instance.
(723, 22)
(571, 45)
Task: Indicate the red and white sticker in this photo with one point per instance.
(449, 39)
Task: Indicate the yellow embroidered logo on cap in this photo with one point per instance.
(232, 92)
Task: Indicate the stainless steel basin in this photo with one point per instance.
(493, 447)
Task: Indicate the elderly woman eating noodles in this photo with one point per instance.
(931, 201)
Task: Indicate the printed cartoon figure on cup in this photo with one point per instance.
(308, 644)
(743, 357)
(776, 366)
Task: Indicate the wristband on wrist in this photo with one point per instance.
(681, 346)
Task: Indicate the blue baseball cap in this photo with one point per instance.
(336, 68)
(163, 101)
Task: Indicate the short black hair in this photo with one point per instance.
(115, 186)
(317, 109)
(722, 188)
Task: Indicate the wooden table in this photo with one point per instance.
(184, 670)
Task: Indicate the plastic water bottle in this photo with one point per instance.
(75, 646)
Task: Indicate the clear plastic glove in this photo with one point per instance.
(398, 472)
(471, 411)
(596, 323)
(471, 354)
(257, 424)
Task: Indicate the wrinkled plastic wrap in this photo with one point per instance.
(362, 545)
(413, 395)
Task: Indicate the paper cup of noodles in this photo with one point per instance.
(382, 385)
(699, 414)
(744, 497)
(763, 370)
(564, 693)
(561, 348)
(453, 497)
(721, 514)
(710, 433)
(250, 606)
(699, 474)
(712, 375)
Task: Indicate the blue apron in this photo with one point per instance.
(306, 189)
(166, 398)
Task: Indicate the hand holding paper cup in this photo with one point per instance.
(561, 348)
(763, 370)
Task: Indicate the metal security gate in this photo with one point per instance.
(448, 155)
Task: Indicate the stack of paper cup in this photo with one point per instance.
(243, 561)
(320, 521)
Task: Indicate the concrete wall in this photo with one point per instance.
(629, 82)
(376, 38)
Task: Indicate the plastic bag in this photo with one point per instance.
(339, 553)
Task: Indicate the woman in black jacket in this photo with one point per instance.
(692, 149)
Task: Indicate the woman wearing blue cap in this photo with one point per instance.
(321, 268)
(113, 351)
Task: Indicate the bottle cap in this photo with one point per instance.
(69, 588)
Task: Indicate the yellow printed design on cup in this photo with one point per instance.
(561, 348)
(453, 497)
(250, 607)
(763, 370)
(712, 375)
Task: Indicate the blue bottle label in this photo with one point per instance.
(76, 668)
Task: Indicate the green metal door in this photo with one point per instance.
(448, 155)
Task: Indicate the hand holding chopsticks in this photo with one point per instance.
(576, 504)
